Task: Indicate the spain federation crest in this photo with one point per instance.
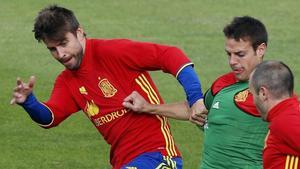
(241, 96)
(107, 88)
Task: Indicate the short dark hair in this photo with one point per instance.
(53, 22)
(247, 28)
(275, 76)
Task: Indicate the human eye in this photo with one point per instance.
(64, 43)
(51, 49)
(227, 53)
(240, 54)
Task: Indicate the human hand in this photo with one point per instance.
(22, 90)
(198, 113)
(135, 102)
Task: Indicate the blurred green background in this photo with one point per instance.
(193, 25)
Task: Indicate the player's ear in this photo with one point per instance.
(80, 33)
(263, 93)
(261, 49)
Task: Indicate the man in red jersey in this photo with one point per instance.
(272, 85)
(99, 74)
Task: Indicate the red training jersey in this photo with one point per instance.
(109, 72)
(282, 149)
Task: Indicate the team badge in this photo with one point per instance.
(107, 88)
(241, 96)
(91, 109)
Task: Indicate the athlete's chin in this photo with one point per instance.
(75, 65)
(241, 77)
(72, 66)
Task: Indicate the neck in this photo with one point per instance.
(273, 102)
(83, 44)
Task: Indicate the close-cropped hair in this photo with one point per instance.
(275, 76)
(247, 28)
(53, 22)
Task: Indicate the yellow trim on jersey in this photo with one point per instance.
(149, 88)
(296, 163)
(182, 68)
(146, 80)
(291, 162)
(171, 137)
(154, 99)
(165, 134)
(52, 115)
(266, 138)
(152, 93)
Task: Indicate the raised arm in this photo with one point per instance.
(22, 90)
(23, 96)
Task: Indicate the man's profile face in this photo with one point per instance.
(258, 101)
(241, 57)
(68, 51)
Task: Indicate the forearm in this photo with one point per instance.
(179, 111)
(37, 111)
(189, 80)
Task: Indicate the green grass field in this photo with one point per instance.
(193, 25)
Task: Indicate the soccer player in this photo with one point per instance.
(272, 86)
(234, 134)
(98, 75)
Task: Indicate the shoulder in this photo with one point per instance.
(109, 42)
(287, 122)
(244, 101)
(110, 46)
(222, 82)
(64, 76)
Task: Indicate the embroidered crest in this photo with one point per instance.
(91, 109)
(241, 96)
(107, 88)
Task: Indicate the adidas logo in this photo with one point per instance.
(216, 105)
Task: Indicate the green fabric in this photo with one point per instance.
(233, 139)
(208, 99)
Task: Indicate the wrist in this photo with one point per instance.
(149, 108)
(30, 99)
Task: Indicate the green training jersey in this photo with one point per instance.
(233, 137)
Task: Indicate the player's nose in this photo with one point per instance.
(60, 52)
(232, 60)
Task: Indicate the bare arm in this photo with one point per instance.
(137, 103)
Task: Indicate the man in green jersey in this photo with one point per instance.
(234, 134)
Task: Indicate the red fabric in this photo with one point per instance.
(246, 105)
(222, 82)
(283, 140)
(110, 71)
